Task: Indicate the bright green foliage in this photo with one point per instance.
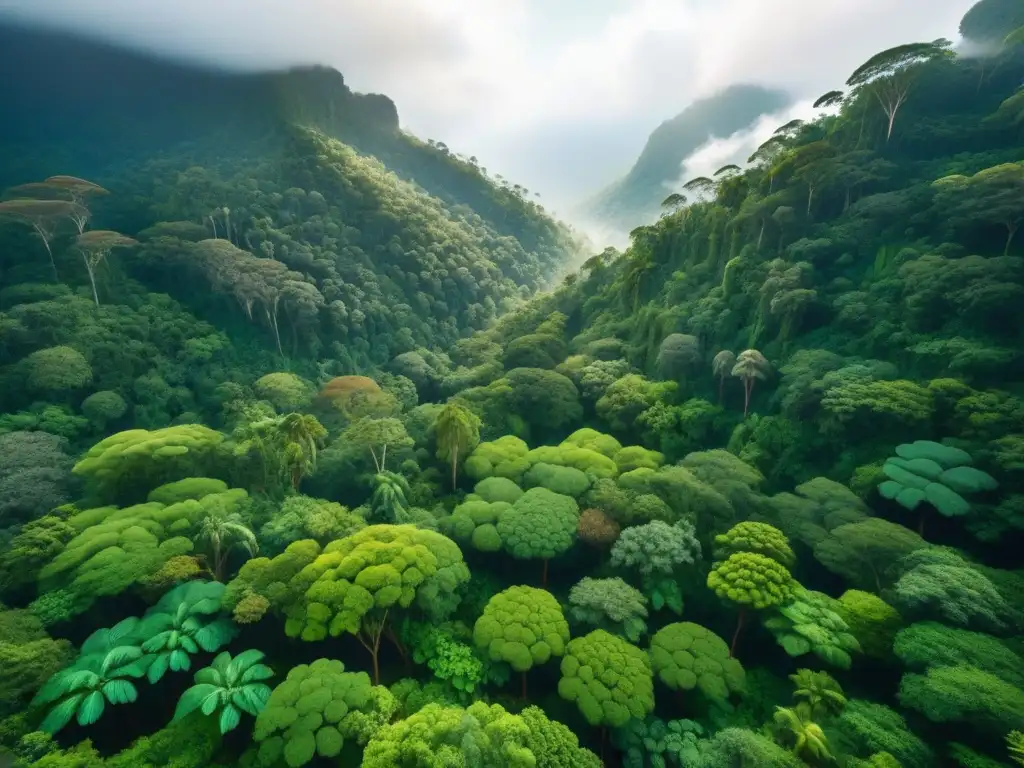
(811, 623)
(389, 502)
(116, 548)
(637, 457)
(140, 458)
(949, 589)
(285, 391)
(871, 620)
(35, 545)
(187, 488)
(482, 734)
(413, 695)
(851, 393)
(928, 644)
(818, 691)
(658, 551)
(541, 525)
(229, 686)
(609, 604)
(591, 462)
(567, 481)
(316, 710)
(1015, 746)
(965, 694)
(28, 657)
(447, 652)
(264, 583)
(609, 679)
(807, 737)
(103, 406)
(685, 656)
(377, 568)
(57, 369)
(761, 538)
(654, 743)
(866, 552)
(183, 622)
(593, 440)
(553, 745)
(279, 451)
(494, 489)
(865, 727)
(523, 627)
(303, 517)
(742, 747)
(751, 580)
(475, 522)
(928, 471)
(100, 675)
(628, 397)
(458, 432)
(504, 457)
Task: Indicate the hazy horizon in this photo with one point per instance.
(560, 99)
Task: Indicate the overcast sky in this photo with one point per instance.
(558, 95)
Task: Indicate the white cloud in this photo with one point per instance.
(537, 89)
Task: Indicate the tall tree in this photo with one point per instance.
(458, 433)
(44, 216)
(993, 196)
(890, 74)
(95, 246)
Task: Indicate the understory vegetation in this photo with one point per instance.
(301, 465)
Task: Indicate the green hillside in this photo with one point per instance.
(298, 467)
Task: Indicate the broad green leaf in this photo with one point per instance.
(158, 667)
(256, 672)
(193, 698)
(211, 702)
(189, 645)
(120, 656)
(120, 692)
(210, 676)
(91, 708)
(229, 718)
(180, 661)
(61, 714)
(157, 642)
(243, 661)
(214, 635)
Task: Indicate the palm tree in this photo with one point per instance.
(389, 500)
(750, 366)
(222, 532)
(302, 434)
(819, 690)
(722, 366)
(808, 738)
(458, 432)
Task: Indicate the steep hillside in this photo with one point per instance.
(635, 199)
(339, 260)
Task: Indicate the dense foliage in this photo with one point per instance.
(296, 472)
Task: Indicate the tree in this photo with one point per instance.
(609, 680)
(229, 686)
(829, 99)
(44, 216)
(610, 604)
(750, 366)
(993, 196)
(57, 369)
(458, 433)
(866, 552)
(224, 530)
(678, 353)
(965, 694)
(751, 581)
(685, 656)
(891, 74)
(658, 551)
(523, 627)
(540, 525)
(722, 367)
(95, 246)
(808, 738)
(818, 691)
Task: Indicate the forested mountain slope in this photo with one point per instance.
(637, 195)
(748, 494)
(325, 253)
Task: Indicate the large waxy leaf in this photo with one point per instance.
(251, 698)
(158, 667)
(61, 714)
(214, 635)
(180, 661)
(120, 692)
(188, 644)
(102, 640)
(120, 657)
(153, 624)
(157, 642)
(196, 697)
(210, 676)
(206, 607)
(91, 708)
(229, 718)
(221, 662)
(243, 661)
(256, 672)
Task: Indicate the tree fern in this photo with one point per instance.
(229, 686)
(183, 622)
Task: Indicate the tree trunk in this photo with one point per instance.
(46, 243)
(748, 387)
(1011, 230)
(736, 634)
(92, 279)
(810, 198)
(721, 388)
(760, 235)
(455, 464)
(213, 221)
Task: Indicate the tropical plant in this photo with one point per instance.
(230, 686)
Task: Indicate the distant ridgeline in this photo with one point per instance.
(636, 197)
(395, 242)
